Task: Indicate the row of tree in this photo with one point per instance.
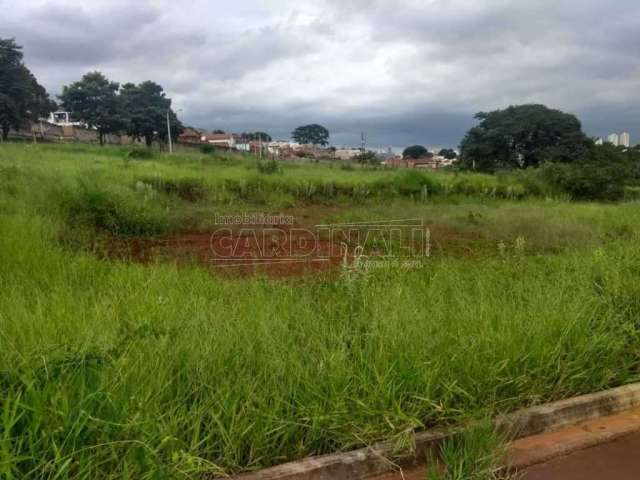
(256, 136)
(312, 134)
(142, 111)
(554, 150)
(517, 137)
(22, 98)
(418, 151)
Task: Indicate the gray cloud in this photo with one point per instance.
(405, 72)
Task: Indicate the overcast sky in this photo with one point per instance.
(404, 72)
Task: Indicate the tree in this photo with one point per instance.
(603, 176)
(448, 153)
(265, 137)
(314, 134)
(94, 100)
(147, 106)
(523, 136)
(22, 98)
(367, 158)
(416, 151)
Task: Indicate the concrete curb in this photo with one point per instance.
(382, 457)
(555, 415)
(540, 448)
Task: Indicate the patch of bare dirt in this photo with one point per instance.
(278, 251)
(275, 251)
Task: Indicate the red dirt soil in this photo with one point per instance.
(277, 252)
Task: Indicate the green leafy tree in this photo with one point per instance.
(416, 151)
(523, 136)
(314, 134)
(22, 98)
(94, 100)
(146, 108)
(265, 137)
(603, 176)
(448, 153)
(367, 158)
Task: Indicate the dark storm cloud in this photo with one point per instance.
(72, 34)
(403, 72)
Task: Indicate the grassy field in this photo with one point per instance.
(115, 369)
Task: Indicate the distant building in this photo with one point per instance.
(242, 144)
(347, 153)
(222, 140)
(599, 141)
(386, 157)
(62, 119)
(424, 162)
(190, 135)
(395, 161)
(613, 139)
(625, 139)
(280, 148)
(433, 162)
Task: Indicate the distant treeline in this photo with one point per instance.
(141, 111)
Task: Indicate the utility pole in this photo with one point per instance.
(362, 144)
(169, 134)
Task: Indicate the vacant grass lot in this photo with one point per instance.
(117, 370)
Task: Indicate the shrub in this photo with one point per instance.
(268, 167)
(207, 149)
(536, 184)
(139, 153)
(367, 158)
(114, 212)
(410, 182)
(190, 189)
(588, 180)
(632, 193)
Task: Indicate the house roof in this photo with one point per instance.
(190, 132)
(218, 136)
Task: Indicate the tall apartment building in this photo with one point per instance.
(614, 139)
(625, 139)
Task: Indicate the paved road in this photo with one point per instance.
(616, 460)
(605, 448)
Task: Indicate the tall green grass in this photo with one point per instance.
(112, 370)
(476, 453)
(117, 370)
(228, 179)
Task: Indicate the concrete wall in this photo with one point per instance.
(58, 133)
